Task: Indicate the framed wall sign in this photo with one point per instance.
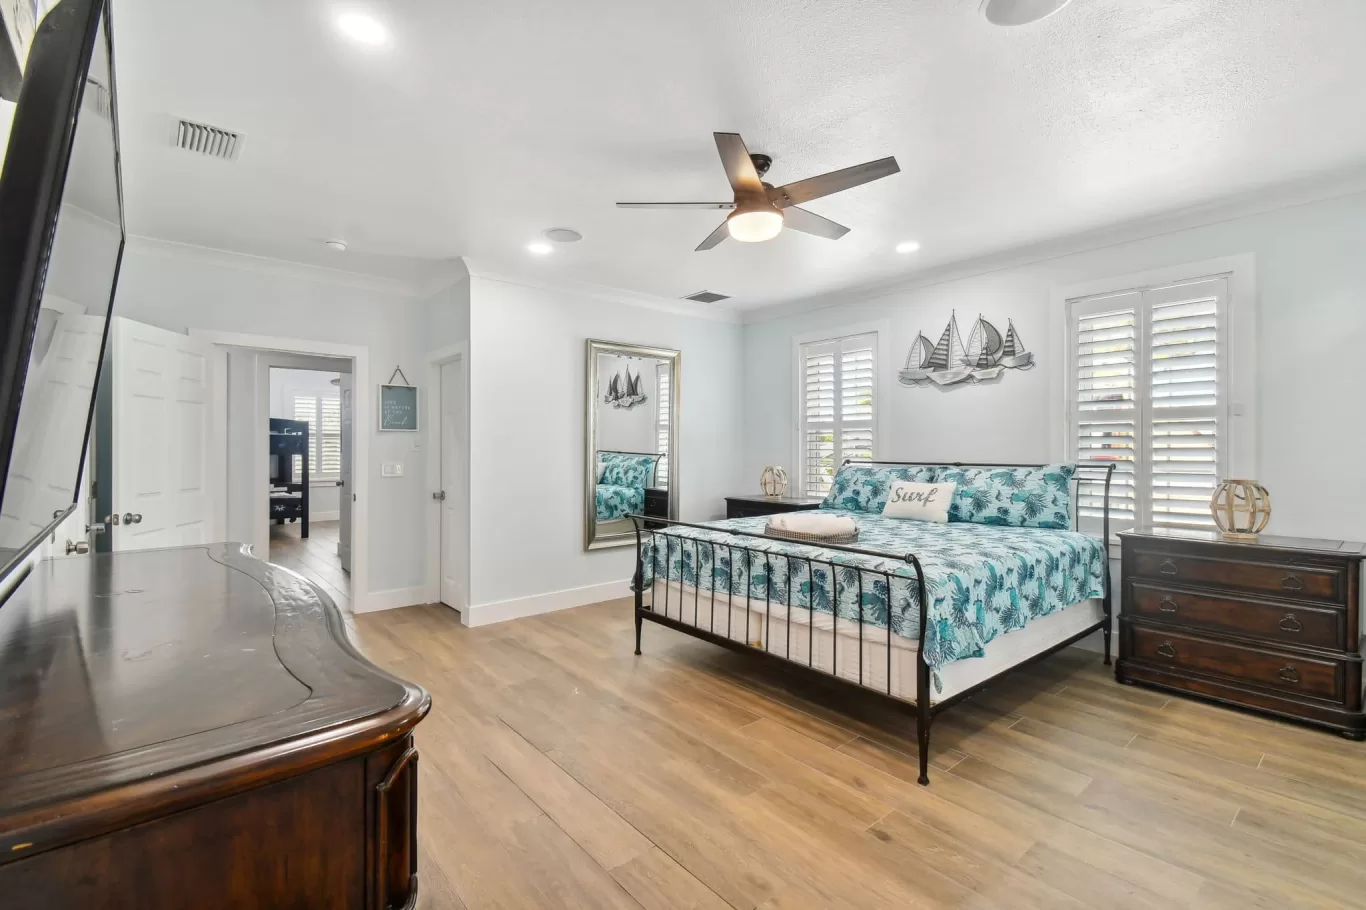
(398, 406)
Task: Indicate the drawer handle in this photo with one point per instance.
(1289, 674)
(1168, 567)
(1291, 624)
(1292, 583)
(1166, 650)
(1167, 605)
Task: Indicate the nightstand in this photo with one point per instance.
(1270, 625)
(759, 504)
(656, 505)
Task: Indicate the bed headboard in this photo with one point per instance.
(655, 455)
(1098, 473)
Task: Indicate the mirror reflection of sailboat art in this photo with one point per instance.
(986, 356)
(626, 394)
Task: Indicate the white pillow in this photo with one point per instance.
(602, 469)
(919, 501)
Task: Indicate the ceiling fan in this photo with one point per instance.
(760, 210)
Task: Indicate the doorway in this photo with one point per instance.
(448, 477)
(310, 448)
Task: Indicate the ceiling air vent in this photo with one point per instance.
(207, 140)
(97, 96)
(707, 297)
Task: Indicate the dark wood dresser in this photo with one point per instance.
(656, 505)
(759, 504)
(191, 728)
(1271, 625)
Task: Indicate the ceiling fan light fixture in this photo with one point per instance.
(1019, 12)
(754, 225)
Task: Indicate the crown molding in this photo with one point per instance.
(608, 294)
(1277, 199)
(448, 273)
(268, 266)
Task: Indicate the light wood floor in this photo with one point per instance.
(314, 558)
(560, 771)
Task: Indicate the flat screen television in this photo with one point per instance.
(61, 242)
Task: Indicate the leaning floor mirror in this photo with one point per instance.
(632, 440)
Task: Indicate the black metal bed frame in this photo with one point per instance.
(925, 708)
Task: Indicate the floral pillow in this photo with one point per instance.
(627, 470)
(1013, 497)
(864, 487)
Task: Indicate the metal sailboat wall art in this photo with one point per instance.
(985, 356)
(625, 395)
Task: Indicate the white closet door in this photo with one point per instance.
(453, 447)
(169, 433)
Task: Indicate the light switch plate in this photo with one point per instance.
(391, 469)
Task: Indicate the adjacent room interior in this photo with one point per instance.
(696, 455)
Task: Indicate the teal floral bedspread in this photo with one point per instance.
(617, 501)
(981, 581)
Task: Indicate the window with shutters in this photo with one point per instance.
(662, 404)
(838, 383)
(323, 414)
(1148, 391)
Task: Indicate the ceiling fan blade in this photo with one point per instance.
(724, 206)
(833, 182)
(800, 219)
(715, 237)
(744, 179)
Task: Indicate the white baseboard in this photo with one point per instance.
(324, 516)
(393, 599)
(503, 610)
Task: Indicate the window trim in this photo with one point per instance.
(1240, 367)
(881, 390)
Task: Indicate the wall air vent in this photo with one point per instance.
(210, 141)
(707, 297)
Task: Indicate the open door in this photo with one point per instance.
(167, 437)
(344, 504)
(454, 545)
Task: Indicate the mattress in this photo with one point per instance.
(981, 582)
(838, 646)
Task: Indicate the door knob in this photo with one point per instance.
(80, 547)
(132, 518)
(112, 519)
(440, 496)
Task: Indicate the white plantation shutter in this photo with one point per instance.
(323, 415)
(838, 380)
(1148, 392)
(662, 405)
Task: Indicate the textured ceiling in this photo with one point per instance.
(483, 123)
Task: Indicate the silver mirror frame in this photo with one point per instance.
(592, 540)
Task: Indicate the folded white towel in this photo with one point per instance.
(813, 523)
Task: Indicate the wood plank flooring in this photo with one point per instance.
(315, 558)
(558, 770)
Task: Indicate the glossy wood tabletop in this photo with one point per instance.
(173, 671)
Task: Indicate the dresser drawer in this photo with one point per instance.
(1273, 670)
(1281, 623)
(1326, 584)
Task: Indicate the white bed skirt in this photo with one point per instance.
(834, 646)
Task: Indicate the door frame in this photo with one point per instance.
(361, 596)
(460, 351)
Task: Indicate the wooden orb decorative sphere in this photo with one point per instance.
(773, 481)
(1241, 508)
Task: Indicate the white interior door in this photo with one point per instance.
(344, 505)
(453, 449)
(169, 438)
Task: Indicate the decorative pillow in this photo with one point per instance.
(863, 487)
(919, 501)
(602, 469)
(1014, 497)
(628, 470)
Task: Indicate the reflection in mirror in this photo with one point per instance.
(631, 433)
(64, 361)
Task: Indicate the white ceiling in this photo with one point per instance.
(483, 123)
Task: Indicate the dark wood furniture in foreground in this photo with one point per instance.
(191, 728)
(759, 504)
(1271, 625)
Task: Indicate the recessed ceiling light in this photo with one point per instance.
(563, 235)
(362, 29)
(909, 246)
(336, 246)
(1020, 12)
(540, 249)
